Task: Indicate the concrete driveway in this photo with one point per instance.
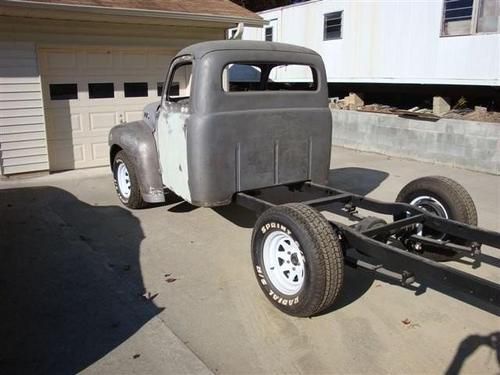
(89, 285)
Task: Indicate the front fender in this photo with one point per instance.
(137, 140)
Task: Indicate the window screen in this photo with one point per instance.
(101, 90)
(268, 77)
(332, 28)
(135, 89)
(63, 91)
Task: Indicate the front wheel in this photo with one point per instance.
(126, 183)
(442, 197)
(297, 259)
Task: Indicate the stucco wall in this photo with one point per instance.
(466, 144)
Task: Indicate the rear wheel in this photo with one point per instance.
(126, 183)
(297, 259)
(445, 198)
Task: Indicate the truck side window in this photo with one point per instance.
(179, 86)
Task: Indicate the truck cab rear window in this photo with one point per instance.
(268, 77)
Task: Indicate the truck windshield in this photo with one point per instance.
(180, 84)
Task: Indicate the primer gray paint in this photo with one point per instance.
(226, 142)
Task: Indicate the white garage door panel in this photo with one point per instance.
(77, 129)
(133, 115)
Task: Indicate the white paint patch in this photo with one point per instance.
(172, 149)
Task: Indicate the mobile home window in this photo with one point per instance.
(489, 16)
(457, 17)
(333, 26)
(268, 34)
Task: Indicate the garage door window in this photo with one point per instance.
(135, 89)
(101, 90)
(159, 88)
(63, 91)
(174, 88)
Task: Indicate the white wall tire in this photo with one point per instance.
(312, 279)
(123, 179)
(126, 183)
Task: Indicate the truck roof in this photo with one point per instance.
(198, 50)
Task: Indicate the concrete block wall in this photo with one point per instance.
(465, 144)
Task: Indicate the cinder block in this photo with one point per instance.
(440, 105)
(353, 101)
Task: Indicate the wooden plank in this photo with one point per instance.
(17, 137)
(21, 112)
(9, 96)
(18, 45)
(21, 120)
(25, 53)
(26, 168)
(6, 146)
(19, 62)
(24, 152)
(16, 79)
(18, 72)
(20, 104)
(15, 129)
(23, 160)
(20, 87)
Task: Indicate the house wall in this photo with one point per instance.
(23, 144)
(388, 42)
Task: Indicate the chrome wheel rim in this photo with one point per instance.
(123, 179)
(431, 205)
(284, 262)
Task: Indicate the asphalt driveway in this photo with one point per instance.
(89, 285)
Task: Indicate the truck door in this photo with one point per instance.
(171, 128)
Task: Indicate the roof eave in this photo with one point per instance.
(248, 21)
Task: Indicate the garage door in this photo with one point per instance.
(86, 91)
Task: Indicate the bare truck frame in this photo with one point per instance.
(248, 123)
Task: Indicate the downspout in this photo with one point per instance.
(239, 32)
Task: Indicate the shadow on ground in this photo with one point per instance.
(63, 306)
(469, 345)
(355, 180)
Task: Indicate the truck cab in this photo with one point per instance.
(234, 116)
